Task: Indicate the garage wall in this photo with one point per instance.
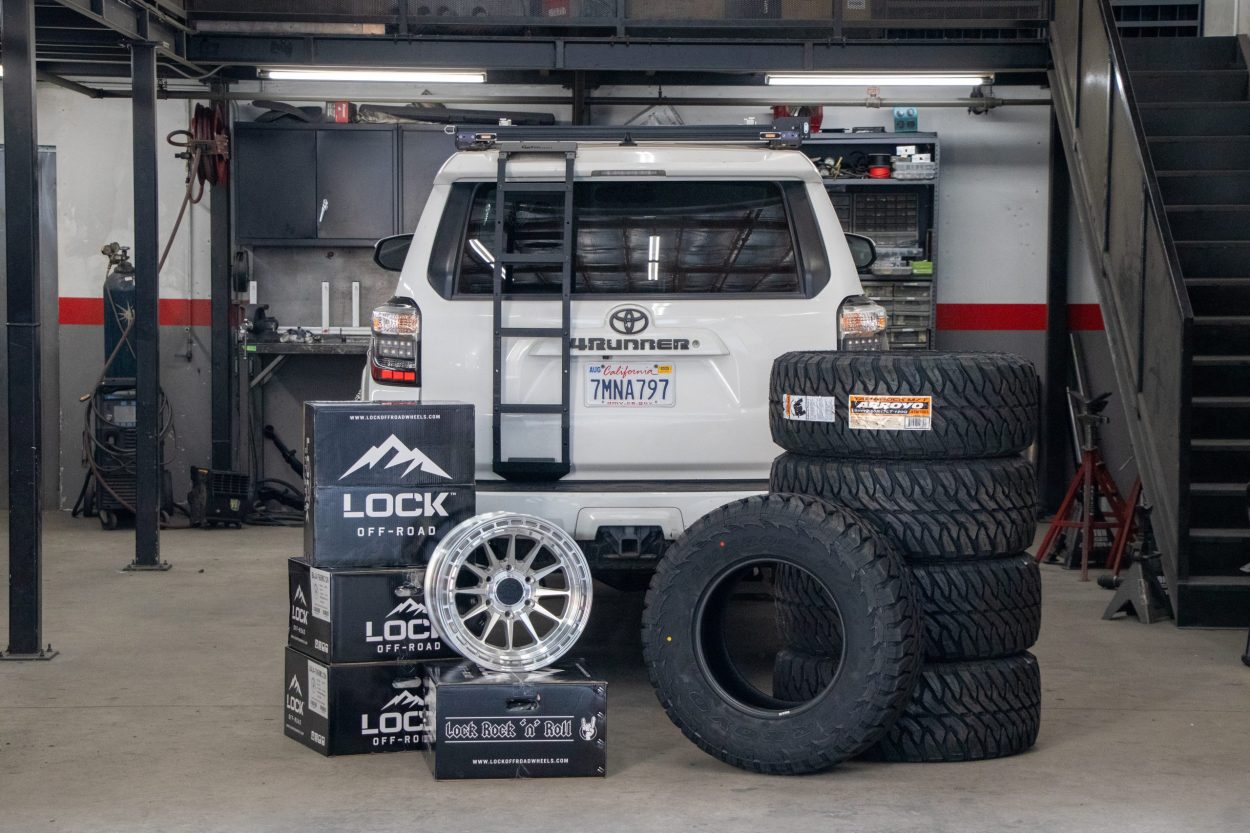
(992, 237)
(92, 139)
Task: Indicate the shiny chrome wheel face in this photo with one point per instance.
(509, 592)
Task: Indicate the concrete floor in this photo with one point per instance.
(164, 713)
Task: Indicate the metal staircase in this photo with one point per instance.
(1157, 136)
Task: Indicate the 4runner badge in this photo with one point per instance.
(414, 457)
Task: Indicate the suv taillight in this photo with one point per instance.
(861, 324)
(395, 343)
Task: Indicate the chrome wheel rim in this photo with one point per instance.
(510, 592)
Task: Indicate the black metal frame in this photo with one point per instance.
(1054, 462)
(148, 467)
(21, 196)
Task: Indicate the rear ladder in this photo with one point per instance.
(521, 468)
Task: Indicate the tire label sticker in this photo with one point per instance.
(890, 413)
(318, 689)
(809, 408)
(319, 582)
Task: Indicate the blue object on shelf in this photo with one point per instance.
(906, 119)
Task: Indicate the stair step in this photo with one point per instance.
(1209, 294)
(1219, 458)
(1207, 222)
(1225, 118)
(1204, 188)
(1218, 505)
(1213, 258)
(1190, 85)
(1198, 153)
(1213, 375)
(1213, 601)
(1218, 416)
(1145, 54)
(1221, 552)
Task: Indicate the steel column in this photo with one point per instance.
(1054, 459)
(21, 202)
(221, 385)
(147, 310)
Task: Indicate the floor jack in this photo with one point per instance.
(1095, 484)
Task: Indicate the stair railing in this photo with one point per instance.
(1144, 302)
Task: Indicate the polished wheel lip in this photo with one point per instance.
(528, 537)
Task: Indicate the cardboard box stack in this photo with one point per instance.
(384, 482)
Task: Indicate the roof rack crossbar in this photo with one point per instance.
(783, 133)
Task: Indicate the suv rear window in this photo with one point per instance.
(640, 238)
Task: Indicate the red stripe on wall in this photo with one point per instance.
(1028, 317)
(1084, 317)
(81, 311)
(175, 312)
(991, 316)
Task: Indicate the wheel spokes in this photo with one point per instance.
(545, 612)
(529, 626)
(490, 626)
(539, 575)
(478, 609)
(533, 553)
(544, 592)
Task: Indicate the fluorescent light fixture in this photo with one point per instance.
(802, 79)
(400, 75)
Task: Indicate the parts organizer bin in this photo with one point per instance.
(909, 311)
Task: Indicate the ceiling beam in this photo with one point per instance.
(590, 55)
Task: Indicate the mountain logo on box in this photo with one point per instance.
(299, 598)
(404, 699)
(294, 697)
(407, 606)
(400, 722)
(299, 606)
(414, 457)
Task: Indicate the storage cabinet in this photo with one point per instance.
(322, 184)
(423, 150)
(898, 214)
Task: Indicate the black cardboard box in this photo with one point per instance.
(387, 444)
(357, 708)
(541, 724)
(381, 526)
(359, 615)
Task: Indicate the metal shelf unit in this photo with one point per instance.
(900, 215)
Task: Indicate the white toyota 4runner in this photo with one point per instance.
(694, 266)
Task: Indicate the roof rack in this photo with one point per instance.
(788, 132)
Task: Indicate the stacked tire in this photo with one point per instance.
(925, 448)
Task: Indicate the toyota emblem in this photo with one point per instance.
(628, 321)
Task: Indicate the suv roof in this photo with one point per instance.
(710, 160)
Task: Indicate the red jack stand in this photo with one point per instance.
(1090, 476)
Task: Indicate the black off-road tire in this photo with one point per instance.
(984, 404)
(805, 618)
(930, 509)
(968, 711)
(981, 609)
(960, 711)
(727, 717)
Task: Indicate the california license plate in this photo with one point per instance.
(630, 385)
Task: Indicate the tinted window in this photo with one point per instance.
(639, 238)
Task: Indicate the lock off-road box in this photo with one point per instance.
(353, 709)
(387, 444)
(375, 615)
(384, 481)
(382, 526)
(539, 724)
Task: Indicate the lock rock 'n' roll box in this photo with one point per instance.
(548, 723)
